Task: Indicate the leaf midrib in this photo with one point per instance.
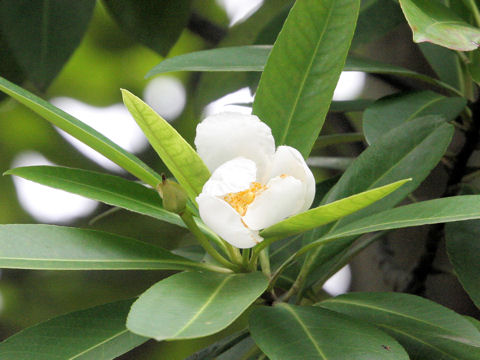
(204, 306)
(305, 76)
(305, 329)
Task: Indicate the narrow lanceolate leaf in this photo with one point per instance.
(109, 189)
(330, 212)
(98, 333)
(463, 248)
(40, 39)
(49, 247)
(434, 22)
(297, 85)
(391, 111)
(305, 332)
(193, 304)
(410, 150)
(428, 331)
(82, 132)
(254, 58)
(466, 207)
(180, 158)
(234, 58)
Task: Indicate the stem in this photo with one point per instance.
(265, 263)
(233, 253)
(202, 239)
(245, 257)
(476, 14)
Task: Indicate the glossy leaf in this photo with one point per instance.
(329, 212)
(82, 132)
(235, 58)
(474, 66)
(43, 34)
(193, 304)
(434, 22)
(180, 158)
(157, 24)
(302, 71)
(49, 247)
(463, 248)
(391, 111)
(292, 332)
(97, 333)
(436, 211)
(428, 331)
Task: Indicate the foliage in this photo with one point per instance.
(267, 301)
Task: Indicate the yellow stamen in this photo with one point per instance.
(240, 200)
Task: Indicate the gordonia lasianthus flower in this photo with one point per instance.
(253, 185)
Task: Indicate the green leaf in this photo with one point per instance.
(377, 18)
(329, 212)
(179, 157)
(428, 331)
(301, 73)
(192, 304)
(234, 58)
(82, 132)
(445, 63)
(411, 150)
(465, 207)
(43, 34)
(254, 58)
(434, 22)
(109, 189)
(463, 248)
(292, 332)
(391, 111)
(49, 247)
(97, 333)
(157, 24)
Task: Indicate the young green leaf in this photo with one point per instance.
(434, 22)
(428, 331)
(301, 73)
(329, 212)
(40, 39)
(92, 334)
(391, 111)
(180, 158)
(463, 248)
(436, 211)
(292, 332)
(193, 304)
(49, 247)
(82, 132)
(157, 24)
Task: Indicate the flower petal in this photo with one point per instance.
(225, 136)
(289, 161)
(231, 177)
(282, 198)
(226, 222)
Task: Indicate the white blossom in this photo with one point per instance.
(252, 186)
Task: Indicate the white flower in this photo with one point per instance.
(252, 186)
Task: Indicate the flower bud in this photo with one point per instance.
(173, 195)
